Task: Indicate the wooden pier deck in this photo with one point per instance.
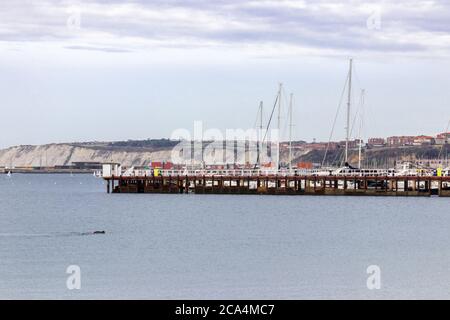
(284, 185)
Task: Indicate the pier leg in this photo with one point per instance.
(112, 184)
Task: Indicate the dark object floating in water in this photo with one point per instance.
(93, 232)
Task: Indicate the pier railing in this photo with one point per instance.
(271, 172)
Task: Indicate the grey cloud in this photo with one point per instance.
(314, 26)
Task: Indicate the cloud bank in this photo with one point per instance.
(267, 28)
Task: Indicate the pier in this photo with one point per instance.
(417, 186)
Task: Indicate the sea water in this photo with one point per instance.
(179, 246)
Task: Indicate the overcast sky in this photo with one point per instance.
(104, 70)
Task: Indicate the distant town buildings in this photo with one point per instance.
(442, 138)
(376, 142)
(423, 140)
(351, 144)
(399, 141)
(394, 141)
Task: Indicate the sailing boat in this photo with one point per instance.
(9, 174)
(346, 166)
(349, 99)
(262, 136)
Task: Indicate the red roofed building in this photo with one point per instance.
(304, 165)
(423, 140)
(161, 165)
(443, 138)
(156, 164)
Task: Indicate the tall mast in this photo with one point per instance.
(349, 98)
(290, 132)
(360, 126)
(260, 133)
(279, 127)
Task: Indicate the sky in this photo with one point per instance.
(112, 70)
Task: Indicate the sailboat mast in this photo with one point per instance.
(348, 109)
(290, 132)
(363, 92)
(260, 134)
(261, 106)
(279, 127)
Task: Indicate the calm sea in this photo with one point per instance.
(209, 246)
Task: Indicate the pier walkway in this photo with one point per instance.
(283, 185)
